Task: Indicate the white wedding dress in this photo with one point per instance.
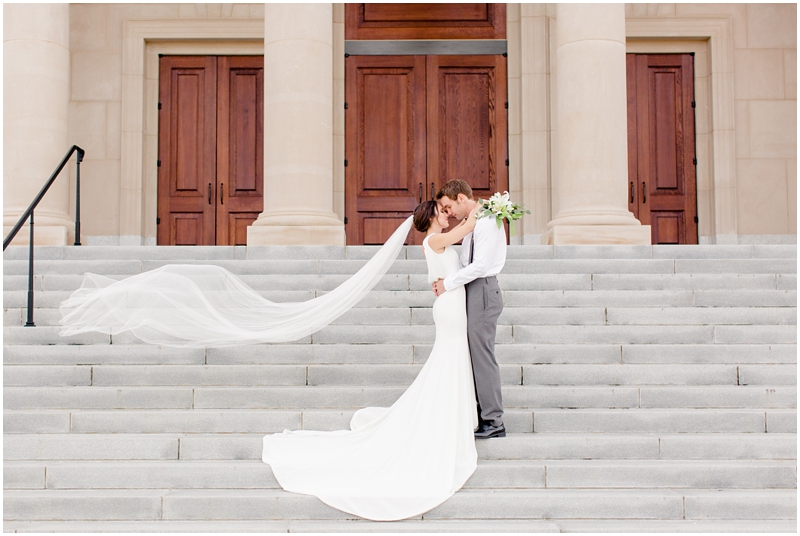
(397, 462)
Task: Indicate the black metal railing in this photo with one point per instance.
(28, 214)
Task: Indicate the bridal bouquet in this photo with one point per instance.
(501, 208)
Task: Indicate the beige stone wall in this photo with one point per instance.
(764, 67)
(765, 90)
(530, 138)
(95, 108)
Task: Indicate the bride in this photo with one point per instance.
(401, 461)
(393, 463)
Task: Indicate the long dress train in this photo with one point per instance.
(397, 462)
(202, 306)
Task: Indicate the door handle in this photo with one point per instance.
(209, 193)
(432, 194)
(644, 192)
(631, 191)
(221, 193)
(420, 192)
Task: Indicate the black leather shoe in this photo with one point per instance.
(486, 431)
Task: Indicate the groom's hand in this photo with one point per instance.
(438, 287)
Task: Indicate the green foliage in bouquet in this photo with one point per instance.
(502, 209)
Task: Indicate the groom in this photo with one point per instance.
(483, 254)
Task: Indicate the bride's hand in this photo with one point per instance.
(470, 220)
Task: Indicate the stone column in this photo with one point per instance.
(591, 187)
(36, 75)
(298, 129)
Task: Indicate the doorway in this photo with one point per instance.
(210, 148)
(662, 163)
(414, 122)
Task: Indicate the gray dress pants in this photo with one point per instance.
(484, 305)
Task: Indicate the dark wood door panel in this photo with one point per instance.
(426, 12)
(187, 228)
(385, 140)
(378, 229)
(240, 153)
(236, 228)
(467, 122)
(661, 145)
(425, 21)
(668, 227)
(187, 149)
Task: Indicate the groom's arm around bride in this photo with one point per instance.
(483, 255)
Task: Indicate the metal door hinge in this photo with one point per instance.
(694, 104)
(506, 105)
(345, 162)
(158, 163)
(158, 221)
(159, 105)
(345, 106)
(696, 219)
(506, 161)
(694, 161)
(345, 220)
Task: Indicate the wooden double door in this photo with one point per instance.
(661, 145)
(412, 123)
(210, 148)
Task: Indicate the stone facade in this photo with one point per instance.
(746, 91)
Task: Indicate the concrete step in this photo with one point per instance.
(524, 331)
(516, 295)
(663, 420)
(347, 397)
(407, 526)
(490, 474)
(377, 375)
(538, 316)
(667, 504)
(237, 376)
(591, 420)
(518, 290)
(515, 446)
(199, 420)
(513, 298)
(307, 268)
(257, 475)
(407, 252)
(356, 354)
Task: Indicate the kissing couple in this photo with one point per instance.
(395, 462)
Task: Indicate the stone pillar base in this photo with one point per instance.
(296, 235)
(614, 235)
(43, 235)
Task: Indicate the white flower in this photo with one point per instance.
(501, 207)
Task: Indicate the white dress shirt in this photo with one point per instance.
(489, 255)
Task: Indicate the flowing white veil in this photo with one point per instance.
(197, 306)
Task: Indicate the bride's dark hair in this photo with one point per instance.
(423, 214)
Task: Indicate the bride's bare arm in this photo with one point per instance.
(438, 241)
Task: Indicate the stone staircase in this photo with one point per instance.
(646, 389)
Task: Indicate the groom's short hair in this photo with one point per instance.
(453, 188)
